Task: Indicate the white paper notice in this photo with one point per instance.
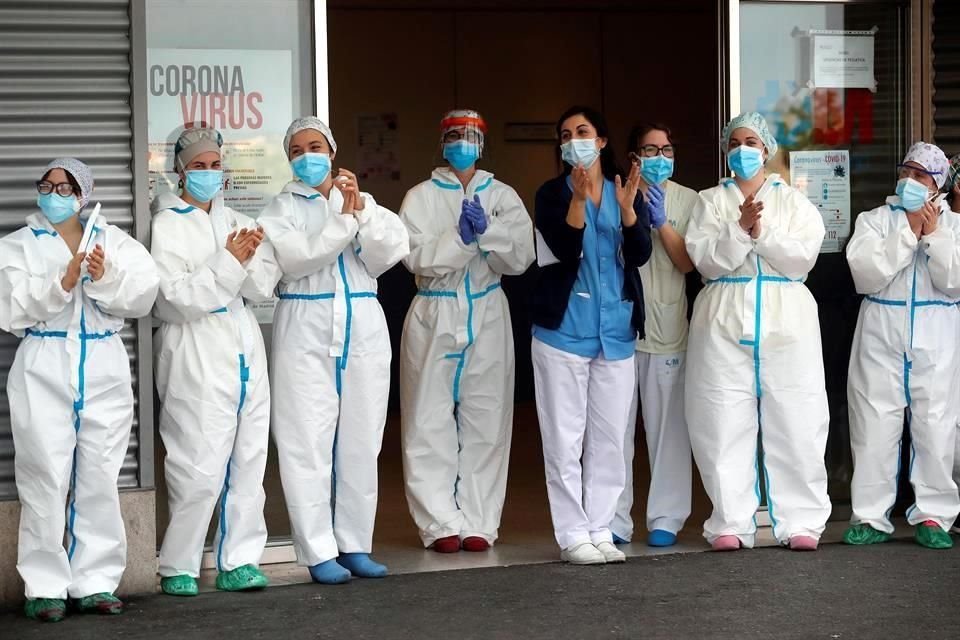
(824, 177)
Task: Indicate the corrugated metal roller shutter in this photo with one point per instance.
(946, 65)
(64, 90)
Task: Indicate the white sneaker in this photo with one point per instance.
(610, 553)
(583, 553)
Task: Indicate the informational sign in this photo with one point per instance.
(244, 94)
(843, 60)
(378, 151)
(247, 95)
(824, 177)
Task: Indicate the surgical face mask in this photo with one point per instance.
(311, 168)
(56, 207)
(580, 151)
(745, 161)
(657, 169)
(204, 184)
(912, 194)
(461, 154)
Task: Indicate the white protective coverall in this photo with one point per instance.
(331, 364)
(755, 364)
(212, 379)
(904, 358)
(71, 403)
(457, 356)
(661, 364)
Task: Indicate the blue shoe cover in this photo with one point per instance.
(329, 572)
(360, 565)
(661, 538)
(618, 540)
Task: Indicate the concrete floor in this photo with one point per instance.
(896, 590)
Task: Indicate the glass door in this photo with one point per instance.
(829, 78)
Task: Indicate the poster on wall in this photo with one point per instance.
(247, 95)
(843, 59)
(378, 149)
(824, 177)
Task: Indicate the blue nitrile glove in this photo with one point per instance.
(467, 234)
(656, 208)
(475, 213)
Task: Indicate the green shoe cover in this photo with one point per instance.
(46, 609)
(860, 534)
(243, 578)
(932, 537)
(181, 585)
(103, 603)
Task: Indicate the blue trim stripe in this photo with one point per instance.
(312, 196)
(446, 185)
(484, 185)
(426, 293)
(43, 232)
(307, 296)
(349, 323)
(896, 207)
(325, 296)
(77, 409)
(935, 303)
(186, 209)
(223, 514)
(889, 303)
(83, 335)
(220, 310)
(913, 299)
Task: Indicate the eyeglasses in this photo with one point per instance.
(910, 171)
(651, 150)
(470, 135)
(62, 188)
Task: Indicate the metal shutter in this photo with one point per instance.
(64, 91)
(946, 80)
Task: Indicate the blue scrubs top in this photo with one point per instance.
(598, 319)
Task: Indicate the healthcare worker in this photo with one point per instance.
(755, 361)
(211, 372)
(331, 353)
(905, 258)
(952, 189)
(952, 185)
(456, 369)
(70, 391)
(593, 235)
(661, 354)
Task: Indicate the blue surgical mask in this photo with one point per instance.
(657, 169)
(461, 154)
(58, 208)
(745, 161)
(580, 151)
(311, 168)
(204, 184)
(913, 195)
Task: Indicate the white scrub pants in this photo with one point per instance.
(583, 406)
(216, 457)
(882, 385)
(60, 450)
(660, 383)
